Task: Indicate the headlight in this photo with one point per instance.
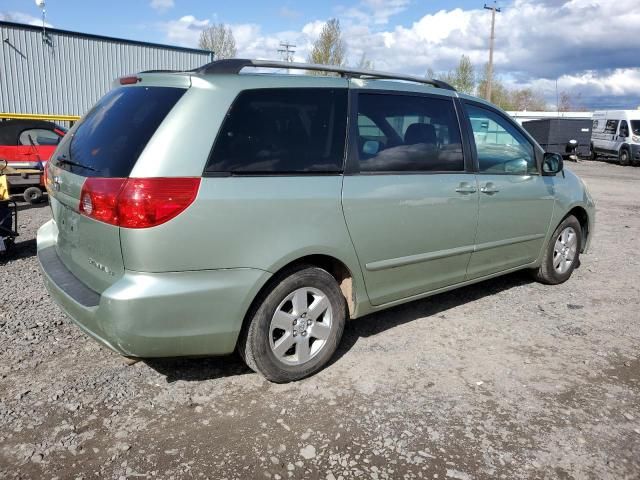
(636, 139)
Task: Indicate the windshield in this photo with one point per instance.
(111, 137)
(635, 127)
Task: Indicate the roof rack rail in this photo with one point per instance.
(235, 65)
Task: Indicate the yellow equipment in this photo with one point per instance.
(8, 209)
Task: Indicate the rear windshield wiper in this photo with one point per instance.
(64, 161)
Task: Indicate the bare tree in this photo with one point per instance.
(462, 78)
(528, 99)
(571, 102)
(219, 40)
(329, 48)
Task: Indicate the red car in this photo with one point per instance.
(28, 144)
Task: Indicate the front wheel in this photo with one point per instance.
(624, 157)
(563, 253)
(296, 327)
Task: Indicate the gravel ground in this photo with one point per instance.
(505, 379)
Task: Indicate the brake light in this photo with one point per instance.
(137, 202)
(130, 80)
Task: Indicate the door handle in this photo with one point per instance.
(489, 189)
(466, 187)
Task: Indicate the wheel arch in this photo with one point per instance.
(583, 218)
(338, 269)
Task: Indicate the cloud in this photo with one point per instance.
(161, 5)
(19, 17)
(377, 12)
(618, 88)
(185, 31)
(537, 42)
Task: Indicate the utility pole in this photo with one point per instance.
(492, 38)
(287, 51)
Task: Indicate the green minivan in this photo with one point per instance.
(201, 212)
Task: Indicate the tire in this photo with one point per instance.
(32, 195)
(563, 251)
(594, 155)
(624, 157)
(285, 317)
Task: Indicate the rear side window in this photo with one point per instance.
(38, 136)
(403, 133)
(611, 127)
(280, 131)
(113, 134)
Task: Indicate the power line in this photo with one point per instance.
(492, 38)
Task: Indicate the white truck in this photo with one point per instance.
(616, 133)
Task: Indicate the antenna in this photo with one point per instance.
(42, 6)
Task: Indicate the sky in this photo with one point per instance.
(591, 48)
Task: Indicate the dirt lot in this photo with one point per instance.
(505, 379)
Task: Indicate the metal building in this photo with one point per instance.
(58, 72)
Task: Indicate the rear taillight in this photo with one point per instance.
(45, 176)
(99, 198)
(137, 202)
(146, 202)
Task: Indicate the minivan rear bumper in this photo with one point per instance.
(155, 314)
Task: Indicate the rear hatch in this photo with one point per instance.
(90, 167)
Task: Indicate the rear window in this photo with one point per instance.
(281, 131)
(111, 137)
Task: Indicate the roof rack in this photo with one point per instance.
(235, 65)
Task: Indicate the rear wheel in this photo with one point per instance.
(296, 327)
(32, 195)
(624, 156)
(563, 253)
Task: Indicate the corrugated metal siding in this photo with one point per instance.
(70, 73)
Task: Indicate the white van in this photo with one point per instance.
(616, 133)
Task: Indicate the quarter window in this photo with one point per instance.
(501, 147)
(404, 133)
(298, 130)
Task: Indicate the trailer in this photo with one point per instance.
(554, 134)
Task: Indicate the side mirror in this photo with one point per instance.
(552, 164)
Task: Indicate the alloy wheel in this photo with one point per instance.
(565, 250)
(300, 326)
